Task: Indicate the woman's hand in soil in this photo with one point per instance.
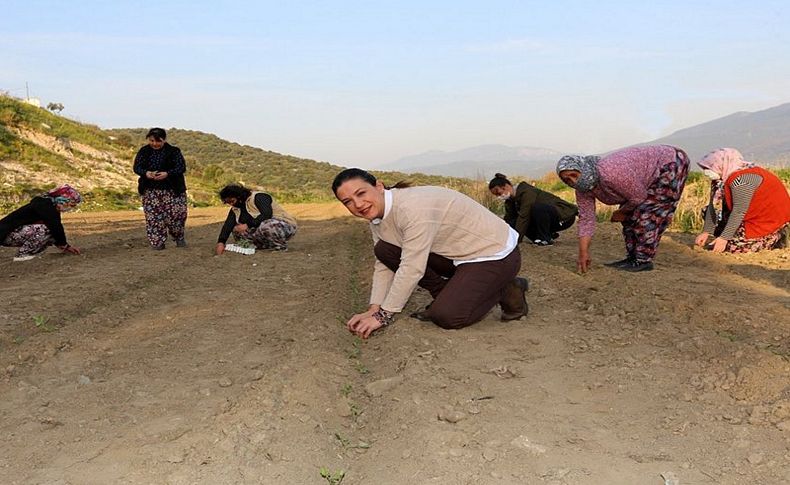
(70, 249)
(354, 321)
(719, 245)
(366, 326)
(701, 239)
(219, 249)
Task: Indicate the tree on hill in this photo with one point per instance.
(55, 107)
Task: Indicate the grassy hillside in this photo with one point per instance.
(214, 161)
(39, 150)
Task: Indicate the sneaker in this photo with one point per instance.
(26, 257)
(158, 247)
(541, 242)
(181, 243)
(621, 263)
(636, 266)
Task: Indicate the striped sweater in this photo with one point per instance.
(743, 188)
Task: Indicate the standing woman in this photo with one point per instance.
(439, 239)
(255, 217)
(36, 225)
(755, 205)
(161, 169)
(534, 213)
(646, 181)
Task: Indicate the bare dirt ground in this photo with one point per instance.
(126, 365)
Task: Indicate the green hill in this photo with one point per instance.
(39, 150)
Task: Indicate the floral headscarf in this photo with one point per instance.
(587, 166)
(64, 194)
(725, 162)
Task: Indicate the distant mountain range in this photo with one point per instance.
(761, 136)
(480, 161)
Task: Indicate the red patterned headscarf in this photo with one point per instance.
(65, 194)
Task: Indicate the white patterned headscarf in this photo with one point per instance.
(587, 166)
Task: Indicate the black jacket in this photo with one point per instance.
(173, 163)
(518, 209)
(40, 210)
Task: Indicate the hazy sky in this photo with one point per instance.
(366, 82)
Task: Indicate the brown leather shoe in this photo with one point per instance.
(514, 303)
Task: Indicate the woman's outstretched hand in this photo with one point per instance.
(701, 239)
(719, 245)
(363, 324)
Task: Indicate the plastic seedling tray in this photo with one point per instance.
(235, 248)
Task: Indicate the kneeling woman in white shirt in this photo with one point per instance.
(441, 240)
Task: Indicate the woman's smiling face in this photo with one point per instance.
(362, 199)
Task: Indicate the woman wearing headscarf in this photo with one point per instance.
(161, 168)
(755, 205)
(445, 242)
(255, 217)
(36, 225)
(646, 182)
(534, 213)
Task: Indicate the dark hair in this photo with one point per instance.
(498, 181)
(238, 191)
(157, 134)
(358, 173)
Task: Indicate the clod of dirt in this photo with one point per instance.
(378, 388)
(503, 372)
(523, 443)
(176, 458)
(755, 458)
(489, 454)
(225, 382)
(451, 415)
(84, 380)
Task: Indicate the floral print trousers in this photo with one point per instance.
(271, 234)
(30, 239)
(739, 243)
(165, 211)
(642, 231)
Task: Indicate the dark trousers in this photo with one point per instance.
(463, 294)
(544, 221)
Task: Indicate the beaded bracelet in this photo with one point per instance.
(384, 317)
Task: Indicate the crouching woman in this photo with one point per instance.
(36, 225)
(255, 217)
(755, 212)
(464, 255)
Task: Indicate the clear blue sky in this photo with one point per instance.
(366, 82)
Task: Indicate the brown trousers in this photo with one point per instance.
(462, 294)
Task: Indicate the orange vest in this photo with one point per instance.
(769, 209)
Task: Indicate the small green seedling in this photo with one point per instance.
(343, 440)
(332, 478)
(42, 322)
(346, 390)
(361, 368)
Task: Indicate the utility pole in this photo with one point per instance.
(27, 92)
